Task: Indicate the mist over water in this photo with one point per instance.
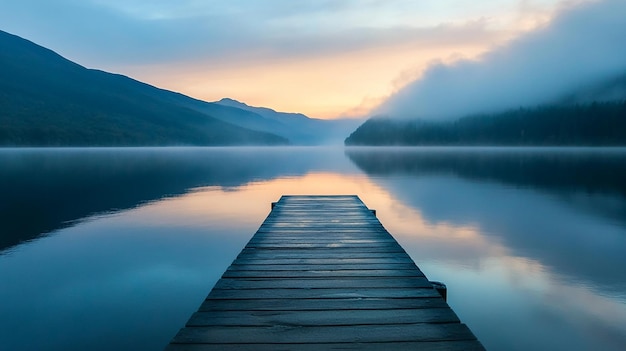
(576, 55)
(115, 248)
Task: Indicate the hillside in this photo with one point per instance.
(47, 100)
(296, 127)
(299, 128)
(591, 124)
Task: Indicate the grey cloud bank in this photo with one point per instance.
(109, 33)
(582, 47)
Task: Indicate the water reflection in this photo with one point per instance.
(529, 242)
(519, 201)
(546, 256)
(571, 173)
(119, 281)
(44, 190)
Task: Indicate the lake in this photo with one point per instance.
(105, 249)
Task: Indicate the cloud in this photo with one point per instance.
(148, 32)
(320, 57)
(116, 32)
(583, 45)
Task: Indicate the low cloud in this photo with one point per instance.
(138, 32)
(581, 47)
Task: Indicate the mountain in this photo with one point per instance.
(299, 128)
(282, 117)
(594, 124)
(47, 100)
(296, 127)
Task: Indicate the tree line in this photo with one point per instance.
(595, 124)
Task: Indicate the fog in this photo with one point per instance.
(576, 54)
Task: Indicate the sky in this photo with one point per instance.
(570, 59)
(324, 58)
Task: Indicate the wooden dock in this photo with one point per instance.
(322, 273)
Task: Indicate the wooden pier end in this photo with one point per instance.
(322, 273)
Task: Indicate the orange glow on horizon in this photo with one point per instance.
(327, 87)
(339, 84)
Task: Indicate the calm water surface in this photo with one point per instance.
(106, 249)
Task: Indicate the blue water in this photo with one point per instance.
(106, 249)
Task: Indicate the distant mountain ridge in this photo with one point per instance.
(47, 100)
(283, 117)
(297, 127)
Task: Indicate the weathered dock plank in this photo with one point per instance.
(322, 273)
(316, 318)
(355, 262)
(260, 266)
(389, 293)
(332, 283)
(315, 304)
(296, 333)
(395, 346)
